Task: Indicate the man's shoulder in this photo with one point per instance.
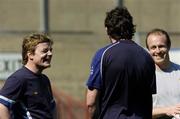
(175, 65)
(106, 48)
(100, 51)
(20, 72)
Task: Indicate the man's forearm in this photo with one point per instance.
(162, 111)
(91, 110)
(91, 99)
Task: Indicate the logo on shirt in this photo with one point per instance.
(35, 93)
(92, 70)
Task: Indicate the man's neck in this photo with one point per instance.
(33, 68)
(163, 66)
(114, 40)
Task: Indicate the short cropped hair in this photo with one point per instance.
(31, 41)
(119, 23)
(158, 31)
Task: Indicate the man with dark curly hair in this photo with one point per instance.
(122, 76)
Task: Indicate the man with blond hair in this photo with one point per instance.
(27, 93)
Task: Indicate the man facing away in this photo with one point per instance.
(166, 103)
(27, 93)
(122, 77)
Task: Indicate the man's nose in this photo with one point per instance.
(158, 49)
(50, 52)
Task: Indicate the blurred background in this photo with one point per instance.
(77, 28)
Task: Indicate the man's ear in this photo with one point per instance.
(106, 29)
(30, 55)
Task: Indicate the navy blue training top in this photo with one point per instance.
(28, 95)
(124, 74)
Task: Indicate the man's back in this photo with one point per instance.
(128, 75)
(122, 77)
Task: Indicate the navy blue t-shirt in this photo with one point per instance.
(124, 74)
(28, 95)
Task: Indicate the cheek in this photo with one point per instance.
(39, 57)
(151, 52)
(166, 51)
(42, 55)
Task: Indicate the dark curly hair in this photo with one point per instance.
(119, 24)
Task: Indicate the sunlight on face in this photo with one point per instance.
(157, 45)
(42, 55)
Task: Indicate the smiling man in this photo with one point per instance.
(166, 103)
(27, 93)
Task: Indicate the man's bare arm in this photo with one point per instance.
(91, 98)
(4, 112)
(169, 111)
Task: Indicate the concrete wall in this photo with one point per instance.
(149, 14)
(77, 27)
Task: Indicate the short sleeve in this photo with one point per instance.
(11, 91)
(95, 80)
(155, 100)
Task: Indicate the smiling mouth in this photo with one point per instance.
(47, 60)
(158, 57)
